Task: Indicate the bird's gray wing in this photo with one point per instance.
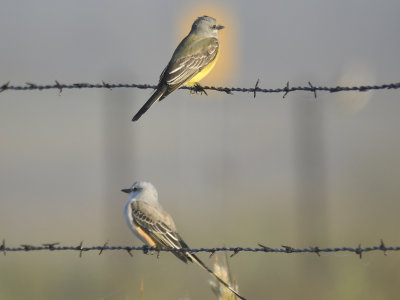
(159, 226)
(188, 60)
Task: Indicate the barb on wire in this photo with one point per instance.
(286, 90)
(256, 88)
(235, 250)
(313, 89)
(228, 90)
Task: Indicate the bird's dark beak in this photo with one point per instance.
(219, 27)
(128, 191)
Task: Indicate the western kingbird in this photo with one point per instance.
(193, 59)
(155, 227)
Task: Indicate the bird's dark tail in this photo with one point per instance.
(158, 94)
(195, 259)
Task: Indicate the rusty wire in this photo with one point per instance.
(235, 250)
(228, 90)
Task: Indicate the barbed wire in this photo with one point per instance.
(235, 250)
(229, 90)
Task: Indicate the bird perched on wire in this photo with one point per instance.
(155, 227)
(192, 60)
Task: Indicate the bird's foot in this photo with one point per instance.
(150, 250)
(197, 88)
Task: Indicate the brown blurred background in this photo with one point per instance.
(232, 170)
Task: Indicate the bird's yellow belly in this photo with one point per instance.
(203, 73)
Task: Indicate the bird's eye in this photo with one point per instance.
(214, 26)
(135, 189)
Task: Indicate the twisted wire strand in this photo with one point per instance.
(235, 250)
(229, 90)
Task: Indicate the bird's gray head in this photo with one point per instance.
(142, 191)
(207, 26)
